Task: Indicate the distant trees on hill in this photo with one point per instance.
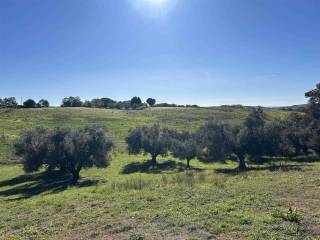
(11, 102)
(71, 102)
(134, 103)
(30, 103)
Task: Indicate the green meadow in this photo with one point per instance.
(132, 200)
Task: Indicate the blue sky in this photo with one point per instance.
(207, 52)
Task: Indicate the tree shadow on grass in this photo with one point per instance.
(27, 186)
(148, 167)
(271, 168)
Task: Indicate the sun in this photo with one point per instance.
(154, 8)
(156, 2)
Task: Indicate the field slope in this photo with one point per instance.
(130, 200)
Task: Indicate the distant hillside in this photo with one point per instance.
(299, 108)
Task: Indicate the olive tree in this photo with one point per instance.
(184, 146)
(85, 148)
(149, 139)
(215, 140)
(70, 151)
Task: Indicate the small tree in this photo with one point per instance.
(30, 103)
(152, 140)
(43, 103)
(184, 146)
(151, 101)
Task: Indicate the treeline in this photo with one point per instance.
(135, 103)
(11, 102)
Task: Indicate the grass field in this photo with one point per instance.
(130, 200)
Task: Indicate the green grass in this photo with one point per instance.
(163, 203)
(130, 200)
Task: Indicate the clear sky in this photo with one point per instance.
(207, 52)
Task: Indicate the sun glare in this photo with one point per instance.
(158, 2)
(154, 8)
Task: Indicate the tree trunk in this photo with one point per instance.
(154, 159)
(188, 163)
(76, 175)
(242, 163)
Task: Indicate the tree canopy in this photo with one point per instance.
(64, 149)
(149, 139)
